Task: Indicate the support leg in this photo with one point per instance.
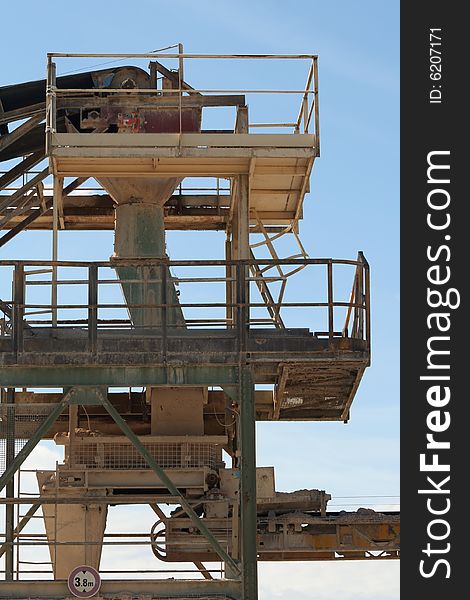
(248, 486)
(10, 487)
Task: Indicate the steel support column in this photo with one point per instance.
(9, 396)
(246, 402)
(248, 513)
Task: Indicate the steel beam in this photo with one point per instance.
(15, 172)
(248, 511)
(68, 375)
(7, 140)
(150, 588)
(43, 208)
(10, 488)
(205, 573)
(156, 101)
(25, 222)
(22, 113)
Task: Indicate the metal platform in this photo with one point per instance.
(278, 166)
(315, 373)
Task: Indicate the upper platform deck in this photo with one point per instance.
(150, 132)
(144, 123)
(278, 166)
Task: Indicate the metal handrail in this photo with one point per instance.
(309, 95)
(242, 309)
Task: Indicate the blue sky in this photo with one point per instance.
(353, 205)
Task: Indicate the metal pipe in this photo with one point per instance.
(159, 55)
(181, 90)
(179, 263)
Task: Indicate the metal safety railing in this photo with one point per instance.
(179, 95)
(164, 298)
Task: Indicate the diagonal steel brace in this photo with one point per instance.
(33, 442)
(168, 484)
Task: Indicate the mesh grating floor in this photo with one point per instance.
(18, 423)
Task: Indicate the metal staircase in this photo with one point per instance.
(265, 283)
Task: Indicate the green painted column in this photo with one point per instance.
(248, 512)
(139, 230)
(10, 486)
(140, 233)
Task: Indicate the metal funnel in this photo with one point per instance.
(140, 233)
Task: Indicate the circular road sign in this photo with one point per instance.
(84, 581)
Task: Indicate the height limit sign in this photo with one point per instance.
(84, 581)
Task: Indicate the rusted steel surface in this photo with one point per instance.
(294, 536)
(322, 369)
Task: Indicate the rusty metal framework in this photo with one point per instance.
(150, 373)
(101, 333)
(30, 205)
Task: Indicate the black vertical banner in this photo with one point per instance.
(435, 331)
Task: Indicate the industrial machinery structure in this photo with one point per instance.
(151, 373)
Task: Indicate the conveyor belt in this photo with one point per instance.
(20, 100)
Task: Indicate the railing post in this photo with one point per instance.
(317, 107)
(241, 122)
(366, 298)
(92, 308)
(164, 308)
(367, 273)
(57, 203)
(18, 308)
(228, 284)
(352, 301)
(242, 306)
(53, 98)
(305, 112)
(51, 102)
(180, 89)
(357, 301)
(361, 301)
(330, 300)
